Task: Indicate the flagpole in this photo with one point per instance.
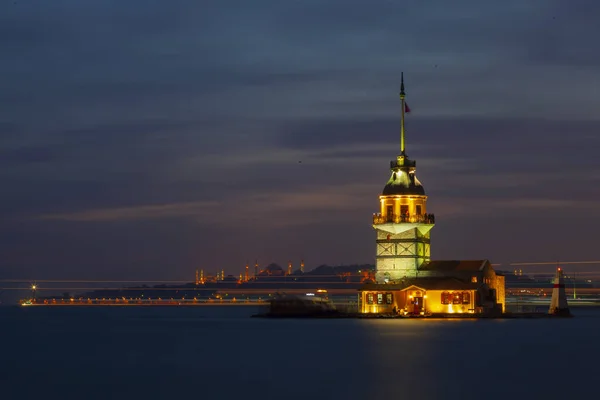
(402, 119)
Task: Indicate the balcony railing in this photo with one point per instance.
(404, 219)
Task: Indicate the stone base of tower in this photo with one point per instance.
(390, 270)
(399, 255)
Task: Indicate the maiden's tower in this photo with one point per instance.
(407, 281)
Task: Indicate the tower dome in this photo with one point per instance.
(403, 180)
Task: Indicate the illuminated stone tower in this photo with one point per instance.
(403, 224)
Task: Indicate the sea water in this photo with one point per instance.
(222, 353)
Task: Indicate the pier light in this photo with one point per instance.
(33, 287)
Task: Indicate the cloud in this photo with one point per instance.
(143, 212)
(179, 121)
(267, 210)
(537, 204)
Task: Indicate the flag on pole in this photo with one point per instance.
(406, 109)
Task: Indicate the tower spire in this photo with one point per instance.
(403, 106)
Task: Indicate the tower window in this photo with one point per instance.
(404, 210)
(418, 210)
(379, 298)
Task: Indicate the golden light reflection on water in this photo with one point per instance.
(418, 358)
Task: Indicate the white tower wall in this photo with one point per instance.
(399, 255)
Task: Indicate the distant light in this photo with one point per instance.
(33, 287)
(310, 294)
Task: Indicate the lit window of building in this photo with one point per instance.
(446, 298)
(457, 298)
(466, 298)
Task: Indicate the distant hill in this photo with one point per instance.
(340, 269)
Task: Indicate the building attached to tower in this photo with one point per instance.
(407, 281)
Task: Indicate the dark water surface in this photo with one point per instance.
(221, 353)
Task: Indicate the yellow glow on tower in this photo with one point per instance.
(402, 223)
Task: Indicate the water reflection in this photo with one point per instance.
(204, 353)
(492, 359)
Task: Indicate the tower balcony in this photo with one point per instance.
(403, 219)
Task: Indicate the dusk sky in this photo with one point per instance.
(146, 139)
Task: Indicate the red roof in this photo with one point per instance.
(444, 283)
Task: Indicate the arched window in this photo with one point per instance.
(456, 298)
(388, 298)
(446, 298)
(466, 298)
